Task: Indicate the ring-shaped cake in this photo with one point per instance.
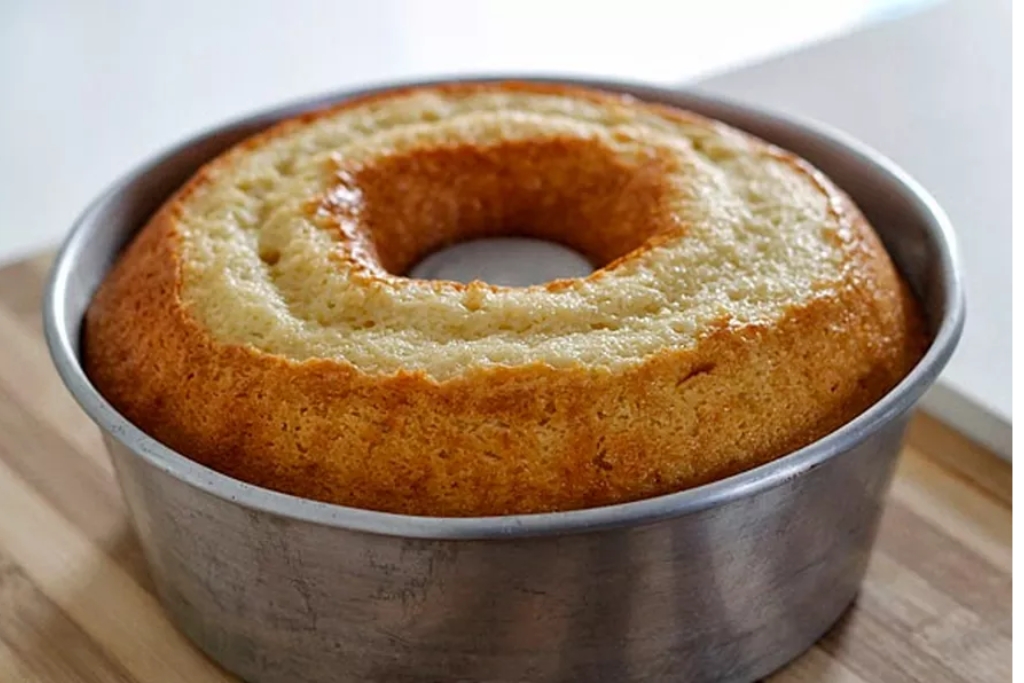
(262, 324)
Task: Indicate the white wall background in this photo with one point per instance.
(88, 89)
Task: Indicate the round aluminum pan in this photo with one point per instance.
(725, 582)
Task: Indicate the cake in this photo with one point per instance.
(262, 324)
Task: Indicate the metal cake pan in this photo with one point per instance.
(725, 582)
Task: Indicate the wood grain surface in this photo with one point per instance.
(76, 603)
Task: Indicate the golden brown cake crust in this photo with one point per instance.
(496, 440)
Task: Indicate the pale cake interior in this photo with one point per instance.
(296, 244)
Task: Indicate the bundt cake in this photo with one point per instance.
(262, 322)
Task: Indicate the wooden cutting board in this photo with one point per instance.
(76, 603)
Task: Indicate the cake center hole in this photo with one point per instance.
(503, 261)
(512, 213)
